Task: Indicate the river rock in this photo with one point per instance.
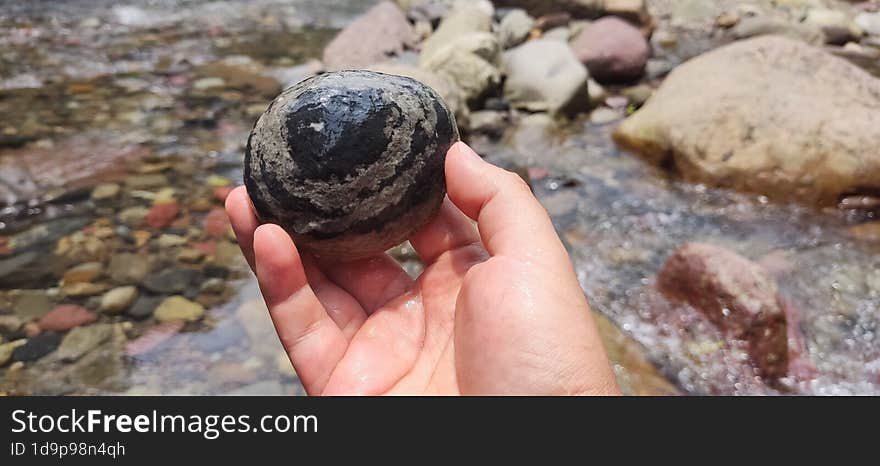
(514, 28)
(216, 223)
(30, 304)
(465, 18)
(635, 11)
(81, 340)
(735, 294)
(381, 32)
(133, 216)
(239, 72)
(171, 280)
(868, 22)
(146, 181)
(10, 323)
(37, 347)
(835, 24)
(179, 308)
(489, 122)
(168, 241)
(473, 75)
(83, 273)
(153, 338)
(118, 299)
(83, 289)
(755, 26)
(105, 191)
(613, 50)
(734, 117)
(544, 75)
(162, 214)
(6, 350)
(143, 307)
(65, 317)
(128, 268)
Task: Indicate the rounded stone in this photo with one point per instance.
(350, 163)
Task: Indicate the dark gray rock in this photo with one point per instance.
(143, 307)
(37, 347)
(170, 281)
(350, 163)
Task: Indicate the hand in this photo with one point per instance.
(496, 311)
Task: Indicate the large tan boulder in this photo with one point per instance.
(768, 115)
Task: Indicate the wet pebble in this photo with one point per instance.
(118, 299)
(143, 307)
(162, 214)
(127, 268)
(65, 317)
(83, 273)
(6, 350)
(169, 281)
(81, 340)
(179, 308)
(216, 223)
(105, 191)
(31, 304)
(153, 338)
(37, 347)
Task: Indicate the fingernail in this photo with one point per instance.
(466, 150)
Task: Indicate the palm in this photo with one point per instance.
(496, 310)
(407, 345)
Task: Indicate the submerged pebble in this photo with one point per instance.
(350, 163)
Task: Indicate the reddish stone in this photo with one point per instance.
(222, 192)
(153, 337)
(65, 317)
(737, 295)
(207, 248)
(182, 222)
(216, 223)
(613, 50)
(161, 215)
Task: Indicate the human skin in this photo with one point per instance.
(496, 311)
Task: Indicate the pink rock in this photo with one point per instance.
(153, 337)
(735, 294)
(613, 50)
(207, 248)
(381, 32)
(65, 317)
(161, 215)
(216, 223)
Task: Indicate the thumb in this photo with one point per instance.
(511, 221)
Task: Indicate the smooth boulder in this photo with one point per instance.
(735, 294)
(544, 75)
(769, 115)
(381, 32)
(613, 50)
